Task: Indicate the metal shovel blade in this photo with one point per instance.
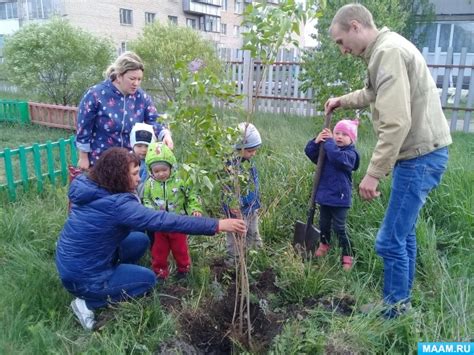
(305, 238)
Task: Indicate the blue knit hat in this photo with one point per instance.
(251, 136)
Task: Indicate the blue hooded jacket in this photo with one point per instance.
(99, 221)
(335, 186)
(249, 193)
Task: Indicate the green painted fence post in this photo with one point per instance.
(23, 166)
(2, 110)
(37, 164)
(50, 162)
(9, 174)
(63, 160)
(24, 112)
(72, 142)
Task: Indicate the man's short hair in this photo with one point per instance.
(350, 12)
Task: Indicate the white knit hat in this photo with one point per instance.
(142, 133)
(252, 137)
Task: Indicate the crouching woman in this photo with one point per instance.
(98, 248)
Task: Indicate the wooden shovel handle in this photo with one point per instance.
(317, 173)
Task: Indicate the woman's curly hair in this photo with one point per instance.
(112, 170)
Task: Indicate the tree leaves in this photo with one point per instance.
(55, 61)
(163, 48)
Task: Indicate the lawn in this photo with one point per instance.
(297, 307)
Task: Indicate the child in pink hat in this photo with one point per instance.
(334, 194)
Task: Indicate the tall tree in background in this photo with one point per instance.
(162, 47)
(328, 72)
(55, 62)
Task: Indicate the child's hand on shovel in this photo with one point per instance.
(323, 135)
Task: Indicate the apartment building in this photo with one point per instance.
(123, 20)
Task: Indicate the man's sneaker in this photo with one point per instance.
(83, 314)
(322, 250)
(347, 262)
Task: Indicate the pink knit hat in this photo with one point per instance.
(349, 127)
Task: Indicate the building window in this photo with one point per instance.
(224, 5)
(209, 23)
(173, 20)
(191, 23)
(126, 17)
(223, 28)
(40, 8)
(123, 47)
(236, 30)
(149, 17)
(463, 36)
(445, 34)
(238, 6)
(8, 10)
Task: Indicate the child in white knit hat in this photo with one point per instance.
(249, 203)
(141, 136)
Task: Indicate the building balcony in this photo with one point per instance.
(209, 7)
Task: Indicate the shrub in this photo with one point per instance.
(162, 47)
(55, 61)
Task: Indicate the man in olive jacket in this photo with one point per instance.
(412, 139)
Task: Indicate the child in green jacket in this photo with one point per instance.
(165, 191)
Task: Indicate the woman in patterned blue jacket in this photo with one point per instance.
(110, 109)
(97, 250)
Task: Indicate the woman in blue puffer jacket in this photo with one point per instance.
(97, 249)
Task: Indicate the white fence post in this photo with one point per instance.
(247, 81)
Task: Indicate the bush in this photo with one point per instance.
(55, 61)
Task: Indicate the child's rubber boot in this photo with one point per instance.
(322, 250)
(347, 262)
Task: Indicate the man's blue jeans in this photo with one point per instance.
(412, 181)
(127, 281)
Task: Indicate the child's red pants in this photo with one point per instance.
(165, 242)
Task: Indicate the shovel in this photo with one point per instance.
(306, 234)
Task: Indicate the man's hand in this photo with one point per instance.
(331, 104)
(368, 188)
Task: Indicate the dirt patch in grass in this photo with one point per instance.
(171, 296)
(209, 329)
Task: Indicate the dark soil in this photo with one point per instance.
(209, 329)
(171, 296)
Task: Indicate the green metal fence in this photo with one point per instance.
(14, 111)
(28, 166)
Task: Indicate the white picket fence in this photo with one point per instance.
(280, 90)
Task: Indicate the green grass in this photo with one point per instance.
(34, 308)
(14, 134)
